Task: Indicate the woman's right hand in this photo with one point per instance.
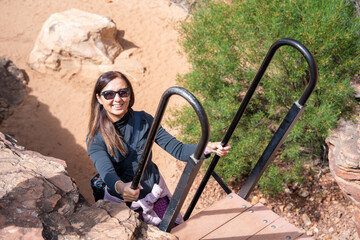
(128, 194)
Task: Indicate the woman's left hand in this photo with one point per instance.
(215, 147)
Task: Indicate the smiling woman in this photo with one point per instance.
(114, 97)
(117, 136)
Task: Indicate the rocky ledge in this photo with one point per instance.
(38, 200)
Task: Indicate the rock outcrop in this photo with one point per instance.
(344, 159)
(74, 39)
(38, 200)
(12, 87)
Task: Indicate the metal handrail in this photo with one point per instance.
(193, 164)
(279, 136)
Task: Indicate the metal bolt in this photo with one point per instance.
(230, 197)
(273, 226)
(243, 206)
(251, 210)
(264, 221)
(288, 237)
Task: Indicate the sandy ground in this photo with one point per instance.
(53, 117)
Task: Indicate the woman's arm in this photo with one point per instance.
(173, 146)
(100, 157)
(182, 151)
(102, 162)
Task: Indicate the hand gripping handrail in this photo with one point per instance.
(193, 164)
(278, 138)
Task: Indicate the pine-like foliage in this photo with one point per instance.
(226, 43)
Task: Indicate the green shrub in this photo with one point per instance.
(226, 44)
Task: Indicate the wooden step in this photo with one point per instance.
(236, 218)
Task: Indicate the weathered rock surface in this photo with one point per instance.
(38, 200)
(344, 160)
(73, 39)
(12, 87)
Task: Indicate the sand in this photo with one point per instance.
(53, 117)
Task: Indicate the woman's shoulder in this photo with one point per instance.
(144, 115)
(96, 139)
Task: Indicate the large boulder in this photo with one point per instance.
(74, 38)
(344, 159)
(38, 200)
(12, 87)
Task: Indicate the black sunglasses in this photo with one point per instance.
(110, 94)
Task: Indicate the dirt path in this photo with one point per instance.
(53, 118)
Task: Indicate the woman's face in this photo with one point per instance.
(118, 106)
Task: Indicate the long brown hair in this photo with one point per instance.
(99, 119)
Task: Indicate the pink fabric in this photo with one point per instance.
(152, 207)
(160, 206)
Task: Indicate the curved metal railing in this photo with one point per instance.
(278, 138)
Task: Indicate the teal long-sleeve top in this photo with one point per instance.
(123, 166)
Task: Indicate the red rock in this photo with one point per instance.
(344, 161)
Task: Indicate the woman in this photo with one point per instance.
(116, 137)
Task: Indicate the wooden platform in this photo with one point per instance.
(235, 218)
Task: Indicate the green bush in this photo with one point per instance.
(226, 43)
